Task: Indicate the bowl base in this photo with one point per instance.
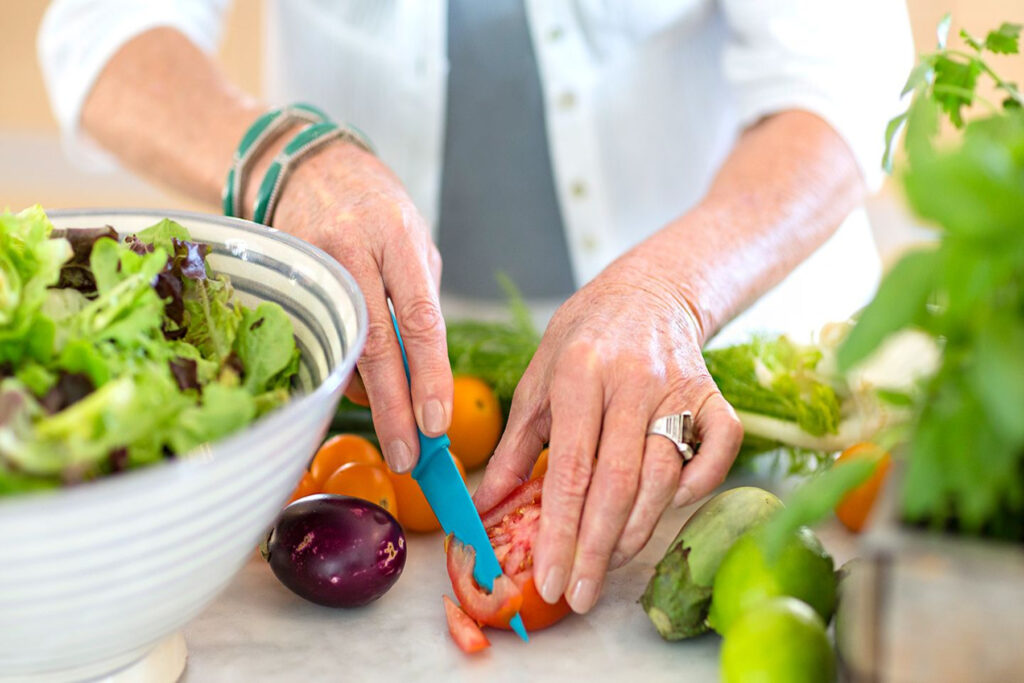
(160, 663)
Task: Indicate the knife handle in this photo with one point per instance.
(430, 446)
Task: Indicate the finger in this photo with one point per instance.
(576, 407)
(356, 391)
(435, 265)
(383, 375)
(525, 435)
(612, 492)
(659, 477)
(721, 436)
(413, 292)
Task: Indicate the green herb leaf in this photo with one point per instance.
(817, 497)
(942, 30)
(998, 375)
(892, 133)
(900, 302)
(1004, 40)
(953, 87)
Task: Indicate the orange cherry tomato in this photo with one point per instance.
(540, 467)
(343, 449)
(414, 512)
(368, 482)
(307, 487)
(476, 421)
(855, 508)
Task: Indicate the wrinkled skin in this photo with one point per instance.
(347, 202)
(619, 353)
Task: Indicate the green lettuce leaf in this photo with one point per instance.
(266, 346)
(30, 262)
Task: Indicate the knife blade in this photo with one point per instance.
(444, 489)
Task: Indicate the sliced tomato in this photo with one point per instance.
(512, 526)
(465, 632)
(493, 609)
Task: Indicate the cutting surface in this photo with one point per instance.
(258, 631)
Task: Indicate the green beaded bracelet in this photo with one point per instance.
(308, 139)
(262, 132)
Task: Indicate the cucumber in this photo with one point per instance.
(678, 596)
(351, 418)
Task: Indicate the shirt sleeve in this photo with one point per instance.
(78, 37)
(844, 61)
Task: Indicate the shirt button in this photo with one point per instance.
(578, 188)
(589, 242)
(555, 34)
(567, 100)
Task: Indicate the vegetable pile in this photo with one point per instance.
(114, 354)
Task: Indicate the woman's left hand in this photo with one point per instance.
(621, 352)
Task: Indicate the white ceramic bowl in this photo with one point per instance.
(93, 576)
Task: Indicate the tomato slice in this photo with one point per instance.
(512, 526)
(493, 609)
(466, 634)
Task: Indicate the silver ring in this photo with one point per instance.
(678, 429)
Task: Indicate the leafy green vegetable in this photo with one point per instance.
(265, 345)
(948, 78)
(212, 320)
(965, 441)
(30, 262)
(777, 378)
(118, 355)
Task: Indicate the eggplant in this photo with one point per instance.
(336, 551)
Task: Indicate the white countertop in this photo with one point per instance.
(257, 630)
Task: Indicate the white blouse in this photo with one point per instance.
(643, 101)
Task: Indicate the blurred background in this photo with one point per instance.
(33, 168)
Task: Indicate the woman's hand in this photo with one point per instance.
(621, 352)
(344, 200)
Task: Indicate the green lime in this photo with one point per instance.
(780, 639)
(802, 570)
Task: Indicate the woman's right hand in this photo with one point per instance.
(344, 200)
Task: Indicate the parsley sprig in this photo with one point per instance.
(950, 78)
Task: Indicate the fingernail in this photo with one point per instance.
(554, 584)
(683, 497)
(433, 416)
(583, 596)
(618, 559)
(398, 456)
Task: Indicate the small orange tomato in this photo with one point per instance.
(855, 508)
(476, 421)
(360, 480)
(541, 466)
(414, 512)
(343, 449)
(307, 487)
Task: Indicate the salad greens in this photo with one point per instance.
(119, 354)
(965, 448)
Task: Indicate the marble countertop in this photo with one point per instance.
(259, 631)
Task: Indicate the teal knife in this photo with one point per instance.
(442, 485)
